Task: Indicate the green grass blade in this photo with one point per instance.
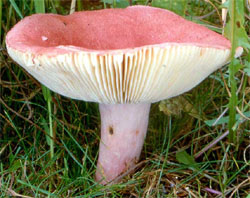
(71, 155)
(236, 33)
(79, 5)
(39, 6)
(14, 5)
(36, 188)
(51, 133)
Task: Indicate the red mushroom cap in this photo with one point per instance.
(110, 29)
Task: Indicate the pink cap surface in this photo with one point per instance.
(110, 29)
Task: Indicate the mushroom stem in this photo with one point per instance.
(123, 130)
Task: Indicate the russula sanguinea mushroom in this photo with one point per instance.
(124, 59)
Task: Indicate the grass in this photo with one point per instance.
(32, 165)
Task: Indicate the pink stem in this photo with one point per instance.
(123, 130)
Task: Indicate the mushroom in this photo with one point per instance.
(123, 59)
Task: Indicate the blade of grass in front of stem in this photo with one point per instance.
(232, 104)
(40, 8)
(50, 128)
(236, 33)
(48, 99)
(233, 98)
